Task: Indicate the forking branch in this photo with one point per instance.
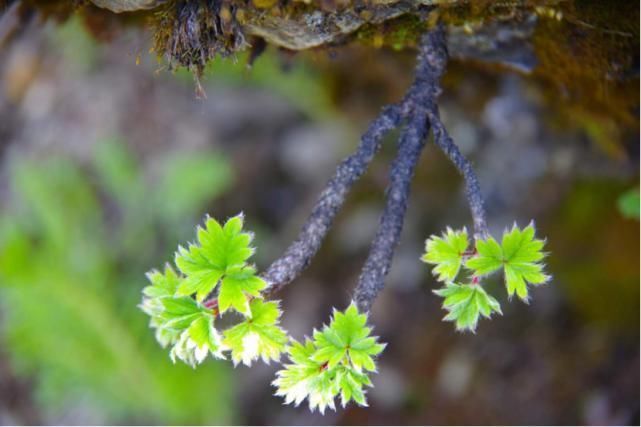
(418, 113)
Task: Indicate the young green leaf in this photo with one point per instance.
(446, 253)
(304, 378)
(197, 341)
(259, 336)
(236, 286)
(334, 362)
(162, 284)
(351, 383)
(169, 315)
(519, 255)
(466, 303)
(179, 312)
(347, 339)
(220, 250)
(522, 254)
(488, 258)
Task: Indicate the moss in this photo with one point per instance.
(587, 50)
(190, 33)
(588, 57)
(398, 33)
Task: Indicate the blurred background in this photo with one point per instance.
(108, 162)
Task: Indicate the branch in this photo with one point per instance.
(472, 187)
(298, 255)
(419, 110)
(420, 99)
(380, 256)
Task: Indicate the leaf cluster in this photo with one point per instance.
(336, 362)
(519, 256)
(214, 278)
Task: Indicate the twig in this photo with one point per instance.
(432, 60)
(302, 250)
(420, 112)
(472, 187)
(380, 256)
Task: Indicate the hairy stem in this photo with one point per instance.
(418, 103)
(472, 187)
(420, 112)
(380, 256)
(298, 255)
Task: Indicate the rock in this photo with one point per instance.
(119, 6)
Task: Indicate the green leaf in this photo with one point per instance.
(170, 315)
(446, 253)
(520, 255)
(221, 250)
(236, 286)
(225, 246)
(219, 257)
(206, 337)
(162, 284)
(488, 258)
(334, 362)
(178, 313)
(187, 350)
(628, 203)
(347, 337)
(200, 282)
(259, 336)
(351, 387)
(306, 379)
(466, 303)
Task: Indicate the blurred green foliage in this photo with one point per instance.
(75, 241)
(628, 203)
(289, 81)
(297, 83)
(78, 48)
(596, 256)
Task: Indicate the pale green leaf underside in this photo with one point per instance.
(259, 336)
(466, 303)
(197, 341)
(333, 364)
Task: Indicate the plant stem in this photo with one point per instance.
(298, 255)
(379, 260)
(472, 187)
(419, 111)
(419, 101)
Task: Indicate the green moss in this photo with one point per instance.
(398, 33)
(586, 54)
